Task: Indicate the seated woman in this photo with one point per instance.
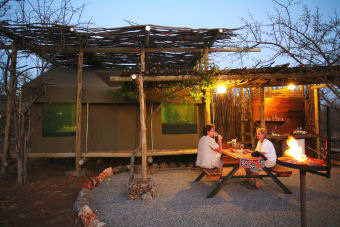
(265, 147)
(209, 152)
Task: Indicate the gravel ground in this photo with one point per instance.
(182, 202)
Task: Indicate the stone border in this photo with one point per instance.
(82, 204)
(85, 213)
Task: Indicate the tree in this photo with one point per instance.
(21, 67)
(309, 39)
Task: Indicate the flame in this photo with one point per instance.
(295, 151)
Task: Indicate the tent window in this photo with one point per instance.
(59, 119)
(179, 118)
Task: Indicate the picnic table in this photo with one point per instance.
(238, 159)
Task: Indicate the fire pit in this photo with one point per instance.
(312, 164)
(295, 158)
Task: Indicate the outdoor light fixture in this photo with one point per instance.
(221, 89)
(291, 86)
(71, 29)
(133, 76)
(147, 28)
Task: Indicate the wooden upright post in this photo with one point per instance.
(9, 110)
(262, 108)
(251, 119)
(142, 118)
(316, 120)
(206, 58)
(242, 115)
(207, 102)
(79, 109)
(207, 112)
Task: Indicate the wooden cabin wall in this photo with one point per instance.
(309, 110)
(282, 115)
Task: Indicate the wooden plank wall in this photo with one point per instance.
(285, 113)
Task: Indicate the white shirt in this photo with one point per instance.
(267, 148)
(206, 156)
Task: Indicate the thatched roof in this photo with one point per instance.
(117, 48)
(169, 51)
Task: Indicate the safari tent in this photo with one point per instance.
(88, 63)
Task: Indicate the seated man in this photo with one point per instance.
(209, 152)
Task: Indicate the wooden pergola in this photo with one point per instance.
(154, 53)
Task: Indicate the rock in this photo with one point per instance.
(123, 168)
(152, 170)
(83, 199)
(190, 164)
(96, 223)
(86, 215)
(163, 165)
(181, 165)
(141, 190)
(115, 170)
(155, 165)
(80, 203)
(173, 165)
(92, 183)
(109, 171)
(147, 196)
(120, 169)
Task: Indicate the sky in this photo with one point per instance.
(186, 13)
(194, 14)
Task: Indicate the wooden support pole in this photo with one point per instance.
(207, 112)
(206, 58)
(142, 118)
(251, 118)
(79, 109)
(242, 115)
(316, 120)
(228, 76)
(262, 108)
(9, 110)
(142, 127)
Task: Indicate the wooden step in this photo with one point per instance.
(212, 174)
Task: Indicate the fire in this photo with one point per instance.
(295, 151)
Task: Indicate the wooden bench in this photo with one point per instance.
(212, 174)
(281, 171)
(273, 173)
